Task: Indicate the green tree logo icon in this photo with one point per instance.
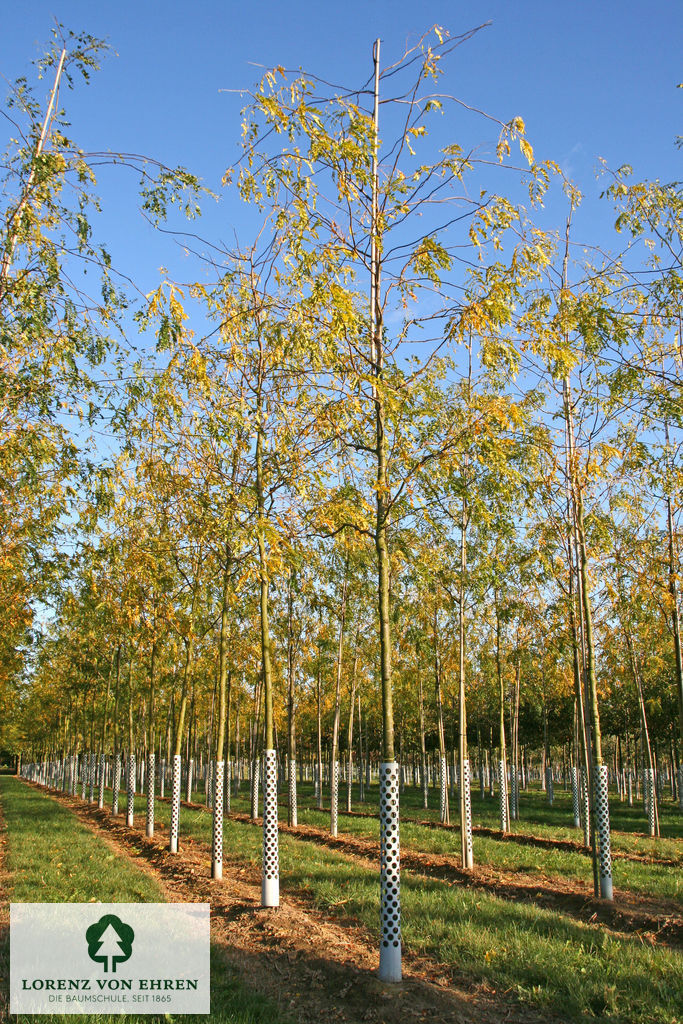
(110, 941)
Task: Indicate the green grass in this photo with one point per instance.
(53, 858)
(548, 960)
(658, 880)
(537, 817)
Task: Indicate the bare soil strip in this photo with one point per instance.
(523, 838)
(653, 920)
(316, 968)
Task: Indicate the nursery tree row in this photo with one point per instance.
(397, 478)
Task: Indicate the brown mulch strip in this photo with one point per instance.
(316, 968)
(521, 838)
(653, 920)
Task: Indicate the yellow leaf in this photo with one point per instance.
(527, 149)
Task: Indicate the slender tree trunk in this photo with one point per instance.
(103, 737)
(504, 804)
(650, 788)
(466, 852)
(443, 798)
(130, 774)
(515, 740)
(349, 728)
(319, 766)
(178, 739)
(390, 944)
(291, 706)
(600, 802)
(423, 745)
(270, 884)
(334, 753)
(219, 770)
(675, 622)
(14, 221)
(361, 757)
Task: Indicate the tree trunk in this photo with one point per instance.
(423, 745)
(219, 770)
(292, 818)
(334, 754)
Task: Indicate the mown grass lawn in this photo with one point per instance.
(537, 816)
(546, 959)
(53, 858)
(664, 881)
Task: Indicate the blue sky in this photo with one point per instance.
(590, 80)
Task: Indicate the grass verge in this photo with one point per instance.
(52, 858)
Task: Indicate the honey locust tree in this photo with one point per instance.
(60, 315)
(397, 214)
(651, 214)
(259, 376)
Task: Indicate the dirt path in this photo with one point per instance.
(314, 967)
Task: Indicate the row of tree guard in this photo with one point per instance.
(89, 775)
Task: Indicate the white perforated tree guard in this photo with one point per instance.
(469, 855)
(255, 781)
(175, 805)
(190, 770)
(208, 784)
(270, 883)
(650, 777)
(602, 815)
(390, 873)
(442, 789)
(84, 775)
(293, 810)
(227, 788)
(424, 775)
(503, 797)
(91, 778)
(149, 824)
(576, 809)
(585, 809)
(116, 786)
(130, 791)
(334, 799)
(100, 794)
(217, 836)
(162, 778)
